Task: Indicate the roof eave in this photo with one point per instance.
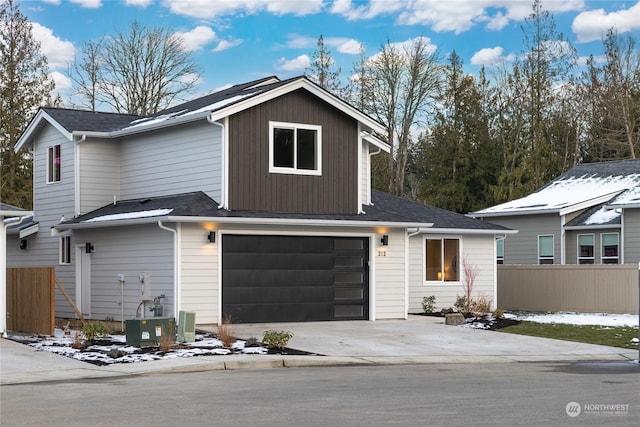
(27, 136)
(590, 227)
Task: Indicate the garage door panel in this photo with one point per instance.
(294, 278)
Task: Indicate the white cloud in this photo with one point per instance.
(598, 59)
(139, 3)
(348, 10)
(227, 44)
(498, 22)
(210, 9)
(351, 47)
(197, 38)
(297, 41)
(491, 57)
(593, 24)
(54, 2)
(88, 4)
(62, 82)
(58, 52)
(297, 64)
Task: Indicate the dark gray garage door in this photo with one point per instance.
(294, 278)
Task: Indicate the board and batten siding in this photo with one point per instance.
(479, 252)
(99, 162)
(631, 228)
(253, 187)
(131, 251)
(199, 273)
(177, 160)
(51, 201)
(522, 248)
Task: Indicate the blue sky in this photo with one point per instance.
(240, 40)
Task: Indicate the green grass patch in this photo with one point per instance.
(618, 336)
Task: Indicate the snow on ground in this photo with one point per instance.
(601, 319)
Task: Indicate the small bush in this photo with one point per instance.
(429, 304)
(498, 313)
(462, 304)
(276, 339)
(167, 340)
(93, 330)
(226, 332)
(252, 342)
(480, 305)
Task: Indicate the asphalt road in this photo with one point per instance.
(501, 394)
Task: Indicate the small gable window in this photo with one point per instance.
(53, 164)
(295, 148)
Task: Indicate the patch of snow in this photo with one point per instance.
(220, 104)
(131, 215)
(602, 216)
(600, 319)
(150, 121)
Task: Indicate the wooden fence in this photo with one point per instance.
(575, 288)
(31, 300)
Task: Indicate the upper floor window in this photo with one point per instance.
(500, 251)
(585, 249)
(53, 164)
(295, 148)
(610, 248)
(442, 260)
(65, 250)
(545, 249)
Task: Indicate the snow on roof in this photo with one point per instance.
(602, 216)
(564, 193)
(131, 215)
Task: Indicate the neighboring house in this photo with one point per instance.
(254, 202)
(588, 215)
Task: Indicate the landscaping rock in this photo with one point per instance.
(454, 319)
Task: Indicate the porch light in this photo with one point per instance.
(211, 237)
(385, 240)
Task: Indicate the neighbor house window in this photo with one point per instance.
(442, 260)
(545, 249)
(500, 251)
(65, 250)
(295, 148)
(585, 249)
(53, 164)
(610, 248)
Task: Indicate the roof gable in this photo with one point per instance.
(616, 183)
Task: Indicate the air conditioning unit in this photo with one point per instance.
(186, 326)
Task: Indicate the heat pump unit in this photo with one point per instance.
(187, 326)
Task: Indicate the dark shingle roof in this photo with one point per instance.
(94, 121)
(587, 218)
(385, 209)
(600, 170)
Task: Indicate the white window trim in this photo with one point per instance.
(602, 257)
(578, 257)
(553, 247)
(295, 171)
(442, 282)
(61, 249)
(49, 163)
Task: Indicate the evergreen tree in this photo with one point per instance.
(322, 71)
(24, 86)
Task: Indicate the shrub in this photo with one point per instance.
(480, 305)
(276, 339)
(462, 304)
(429, 304)
(226, 332)
(167, 340)
(94, 329)
(252, 342)
(498, 313)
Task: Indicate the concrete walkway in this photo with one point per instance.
(418, 340)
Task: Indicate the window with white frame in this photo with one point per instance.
(545, 249)
(500, 251)
(585, 249)
(610, 248)
(442, 260)
(295, 148)
(53, 164)
(65, 250)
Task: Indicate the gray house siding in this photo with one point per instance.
(99, 162)
(131, 251)
(631, 227)
(522, 248)
(178, 160)
(251, 185)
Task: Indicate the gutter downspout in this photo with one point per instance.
(369, 174)
(76, 172)
(225, 162)
(407, 237)
(176, 266)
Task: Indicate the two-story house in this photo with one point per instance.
(253, 202)
(588, 215)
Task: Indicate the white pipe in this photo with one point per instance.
(225, 167)
(175, 266)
